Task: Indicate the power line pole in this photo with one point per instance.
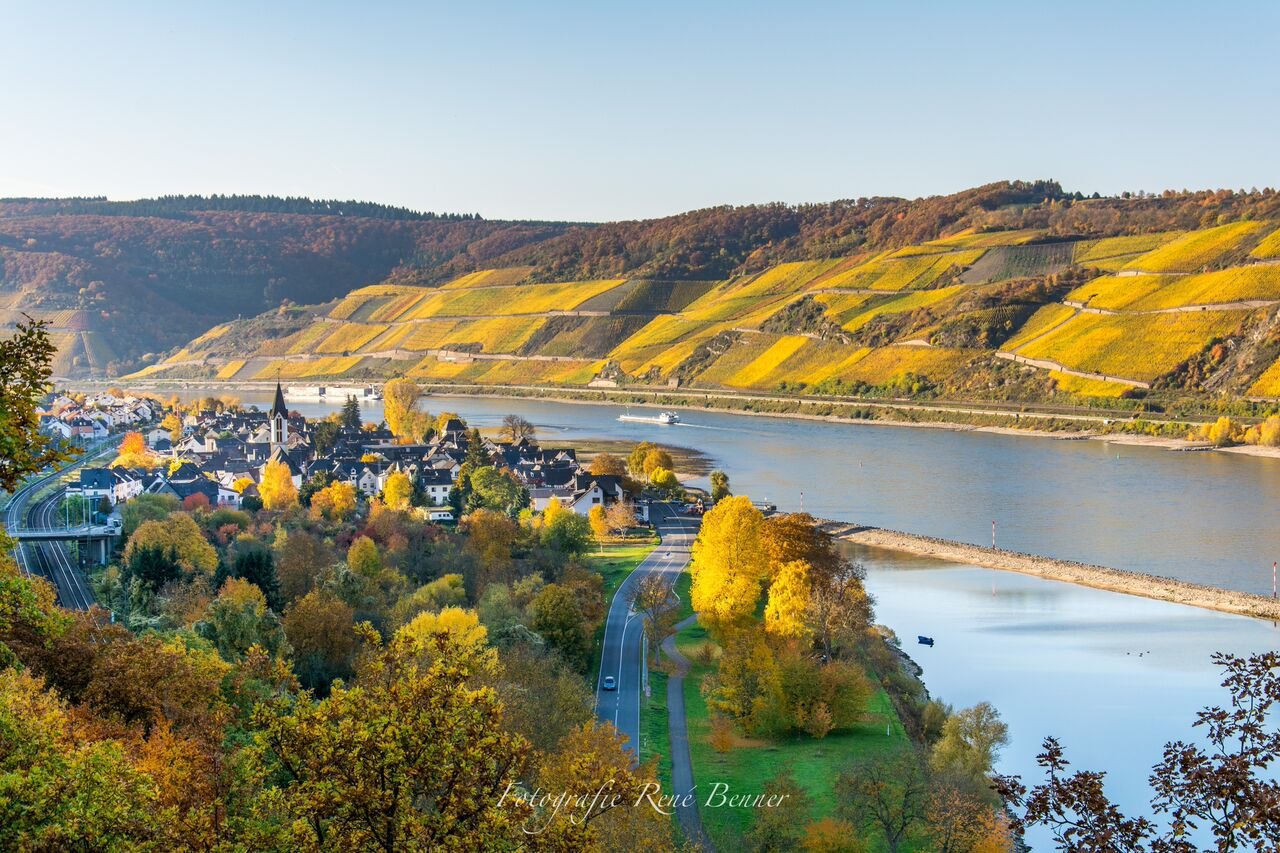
(993, 534)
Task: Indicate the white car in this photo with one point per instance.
(609, 683)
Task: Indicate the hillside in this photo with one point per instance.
(1021, 313)
(119, 280)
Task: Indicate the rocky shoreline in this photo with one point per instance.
(1067, 571)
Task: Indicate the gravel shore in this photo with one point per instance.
(1098, 577)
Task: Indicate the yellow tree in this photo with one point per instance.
(398, 490)
(363, 557)
(134, 453)
(173, 424)
(729, 564)
(400, 399)
(178, 535)
(591, 758)
(787, 609)
(336, 501)
(413, 756)
(599, 522)
(277, 488)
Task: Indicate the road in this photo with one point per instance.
(621, 655)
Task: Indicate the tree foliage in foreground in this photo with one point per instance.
(1224, 785)
(25, 366)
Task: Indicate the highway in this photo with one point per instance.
(621, 655)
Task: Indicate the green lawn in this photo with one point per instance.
(615, 562)
(751, 764)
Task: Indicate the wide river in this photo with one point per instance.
(1112, 676)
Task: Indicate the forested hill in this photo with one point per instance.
(120, 280)
(125, 282)
(1164, 302)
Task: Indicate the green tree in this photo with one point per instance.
(351, 418)
(970, 744)
(239, 619)
(719, 486)
(887, 791)
(493, 489)
(145, 508)
(256, 564)
(781, 827)
(321, 630)
(57, 793)
(564, 530)
(26, 359)
(557, 616)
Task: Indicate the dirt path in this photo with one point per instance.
(1240, 305)
(678, 727)
(1046, 364)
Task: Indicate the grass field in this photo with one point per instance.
(1269, 248)
(490, 278)
(910, 273)
(1046, 318)
(1084, 387)
(495, 334)
(1195, 250)
(1140, 347)
(1268, 384)
(507, 371)
(508, 300)
(887, 364)
(230, 369)
(1089, 252)
(738, 359)
(1235, 284)
(314, 368)
(768, 361)
(752, 763)
(1006, 262)
(843, 307)
(906, 302)
(348, 337)
(810, 363)
(969, 239)
(1116, 292)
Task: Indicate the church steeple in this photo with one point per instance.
(279, 419)
(278, 407)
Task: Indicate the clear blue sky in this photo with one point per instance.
(615, 110)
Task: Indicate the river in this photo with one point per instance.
(1112, 676)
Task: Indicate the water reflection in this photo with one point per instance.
(1114, 677)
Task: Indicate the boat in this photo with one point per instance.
(664, 418)
(924, 641)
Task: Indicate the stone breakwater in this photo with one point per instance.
(1068, 571)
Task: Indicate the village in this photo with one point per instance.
(221, 453)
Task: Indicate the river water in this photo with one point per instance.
(1112, 676)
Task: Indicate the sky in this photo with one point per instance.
(612, 110)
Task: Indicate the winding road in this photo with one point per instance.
(622, 654)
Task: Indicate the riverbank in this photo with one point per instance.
(1067, 571)
(1004, 419)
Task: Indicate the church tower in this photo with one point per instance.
(279, 416)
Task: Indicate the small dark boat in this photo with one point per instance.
(924, 641)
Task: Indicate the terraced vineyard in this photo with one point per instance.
(1115, 313)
